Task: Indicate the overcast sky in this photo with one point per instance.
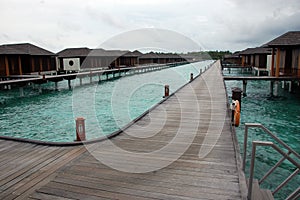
(211, 24)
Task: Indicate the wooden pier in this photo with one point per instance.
(23, 80)
(207, 167)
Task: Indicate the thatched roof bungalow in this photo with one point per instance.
(85, 58)
(285, 54)
(255, 57)
(25, 58)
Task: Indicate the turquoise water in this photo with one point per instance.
(107, 106)
(281, 115)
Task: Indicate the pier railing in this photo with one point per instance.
(286, 156)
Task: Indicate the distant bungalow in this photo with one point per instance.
(255, 57)
(19, 59)
(85, 58)
(26, 58)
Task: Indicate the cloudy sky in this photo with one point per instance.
(211, 24)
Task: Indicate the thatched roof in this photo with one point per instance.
(257, 50)
(84, 52)
(24, 49)
(74, 52)
(291, 38)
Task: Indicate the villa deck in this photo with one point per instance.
(183, 149)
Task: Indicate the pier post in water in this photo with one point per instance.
(40, 89)
(244, 88)
(275, 92)
(271, 87)
(21, 91)
(69, 84)
(91, 77)
(290, 86)
(167, 90)
(56, 86)
(80, 129)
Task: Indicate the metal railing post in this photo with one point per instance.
(245, 147)
(251, 175)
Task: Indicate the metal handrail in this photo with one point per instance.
(285, 156)
(251, 175)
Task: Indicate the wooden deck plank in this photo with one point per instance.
(73, 173)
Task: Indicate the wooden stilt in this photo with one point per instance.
(276, 88)
(69, 84)
(244, 88)
(271, 87)
(21, 89)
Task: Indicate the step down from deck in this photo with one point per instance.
(258, 193)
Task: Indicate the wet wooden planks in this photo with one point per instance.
(25, 167)
(213, 174)
(199, 163)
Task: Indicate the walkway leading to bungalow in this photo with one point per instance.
(182, 149)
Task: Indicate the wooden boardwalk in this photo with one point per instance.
(182, 149)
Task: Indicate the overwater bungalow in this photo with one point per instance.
(255, 57)
(160, 58)
(285, 54)
(232, 59)
(25, 58)
(74, 59)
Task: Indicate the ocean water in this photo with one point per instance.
(107, 106)
(281, 115)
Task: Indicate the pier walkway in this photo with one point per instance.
(183, 148)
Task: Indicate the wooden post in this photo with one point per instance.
(32, 65)
(13, 66)
(40, 89)
(271, 87)
(80, 129)
(276, 88)
(272, 62)
(41, 64)
(48, 64)
(277, 62)
(243, 61)
(167, 91)
(192, 77)
(244, 88)
(21, 91)
(69, 84)
(20, 65)
(290, 86)
(6, 66)
(298, 65)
